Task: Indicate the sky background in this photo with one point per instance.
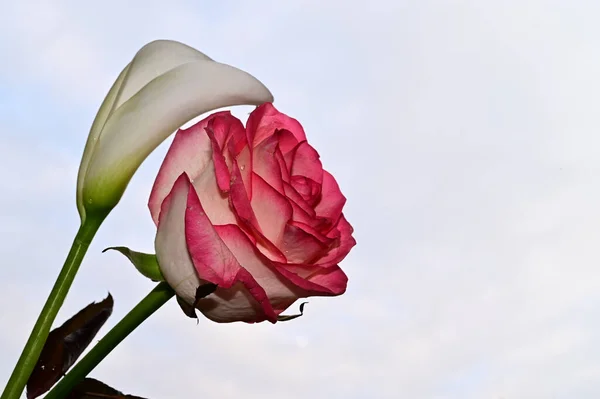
(463, 133)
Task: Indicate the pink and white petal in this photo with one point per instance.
(190, 152)
(278, 289)
(237, 139)
(214, 262)
(240, 200)
(306, 163)
(299, 215)
(225, 127)
(285, 172)
(300, 247)
(245, 164)
(295, 198)
(287, 141)
(265, 120)
(301, 185)
(323, 225)
(170, 243)
(333, 278)
(289, 156)
(247, 219)
(332, 200)
(222, 174)
(230, 134)
(303, 213)
(327, 240)
(238, 151)
(308, 189)
(320, 282)
(231, 305)
(344, 244)
(266, 165)
(214, 201)
(272, 209)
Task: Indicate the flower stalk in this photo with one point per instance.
(31, 352)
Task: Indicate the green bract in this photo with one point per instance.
(146, 264)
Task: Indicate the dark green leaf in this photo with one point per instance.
(65, 344)
(294, 316)
(144, 263)
(90, 388)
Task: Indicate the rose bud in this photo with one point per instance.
(252, 211)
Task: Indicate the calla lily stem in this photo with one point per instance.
(31, 352)
(144, 309)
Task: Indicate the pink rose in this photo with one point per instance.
(251, 210)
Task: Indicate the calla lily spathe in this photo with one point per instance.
(165, 85)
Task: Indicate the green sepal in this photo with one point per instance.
(144, 263)
(202, 291)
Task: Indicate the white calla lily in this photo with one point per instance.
(165, 85)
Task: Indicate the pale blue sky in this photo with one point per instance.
(464, 134)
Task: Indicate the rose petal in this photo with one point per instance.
(280, 292)
(333, 278)
(214, 262)
(320, 282)
(308, 213)
(328, 240)
(332, 200)
(238, 149)
(239, 199)
(298, 246)
(308, 189)
(226, 127)
(266, 165)
(306, 163)
(190, 152)
(344, 244)
(230, 136)
(215, 202)
(231, 305)
(285, 172)
(220, 165)
(272, 210)
(248, 220)
(171, 249)
(287, 141)
(265, 120)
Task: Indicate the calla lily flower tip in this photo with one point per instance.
(165, 85)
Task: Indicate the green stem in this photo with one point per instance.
(144, 309)
(39, 334)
